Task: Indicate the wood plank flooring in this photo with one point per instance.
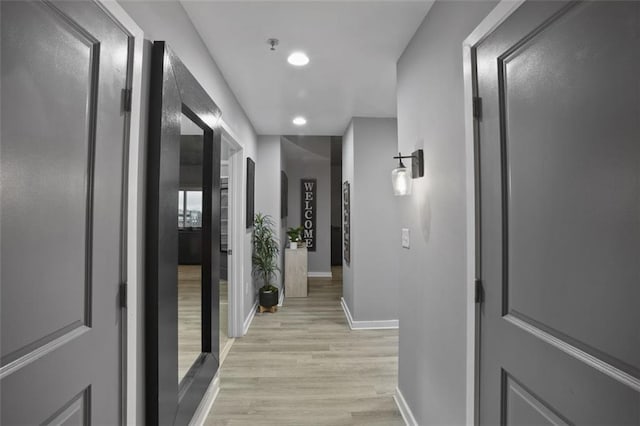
(304, 366)
(190, 315)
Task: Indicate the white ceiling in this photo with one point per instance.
(353, 47)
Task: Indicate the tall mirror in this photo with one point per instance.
(183, 255)
(190, 245)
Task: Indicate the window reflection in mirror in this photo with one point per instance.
(190, 246)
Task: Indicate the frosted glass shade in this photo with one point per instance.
(401, 180)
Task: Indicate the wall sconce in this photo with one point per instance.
(400, 177)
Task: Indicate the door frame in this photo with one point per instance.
(497, 16)
(236, 232)
(131, 316)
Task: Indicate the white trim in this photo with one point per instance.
(225, 351)
(366, 325)
(236, 232)
(206, 404)
(249, 319)
(320, 274)
(135, 211)
(498, 15)
(404, 409)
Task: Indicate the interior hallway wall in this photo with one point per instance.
(167, 20)
(432, 273)
(348, 274)
(319, 261)
(370, 281)
(336, 200)
(284, 221)
(268, 188)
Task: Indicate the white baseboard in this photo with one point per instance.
(206, 404)
(366, 325)
(249, 318)
(320, 274)
(225, 351)
(407, 415)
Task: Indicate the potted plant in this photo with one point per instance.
(265, 260)
(295, 237)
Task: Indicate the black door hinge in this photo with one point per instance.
(477, 108)
(479, 292)
(126, 100)
(123, 295)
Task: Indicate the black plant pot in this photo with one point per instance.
(268, 298)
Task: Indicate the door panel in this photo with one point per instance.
(560, 235)
(51, 180)
(64, 66)
(522, 407)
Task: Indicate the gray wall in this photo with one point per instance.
(284, 167)
(347, 176)
(432, 297)
(336, 195)
(320, 169)
(371, 281)
(167, 20)
(268, 186)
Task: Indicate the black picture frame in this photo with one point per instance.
(284, 195)
(346, 222)
(251, 194)
(174, 91)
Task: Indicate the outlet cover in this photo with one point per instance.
(406, 240)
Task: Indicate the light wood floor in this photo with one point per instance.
(304, 366)
(189, 316)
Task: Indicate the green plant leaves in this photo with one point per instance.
(265, 249)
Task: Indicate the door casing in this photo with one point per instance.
(497, 16)
(132, 342)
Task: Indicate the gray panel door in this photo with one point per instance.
(64, 67)
(559, 151)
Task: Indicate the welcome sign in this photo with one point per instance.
(308, 212)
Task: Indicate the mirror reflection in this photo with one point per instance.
(190, 246)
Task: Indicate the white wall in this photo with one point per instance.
(268, 186)
(319, 261)
(432, 300)
(371, 281)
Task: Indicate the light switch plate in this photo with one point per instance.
(406, 241)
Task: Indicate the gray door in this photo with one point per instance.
(64, 68)
(559, 151)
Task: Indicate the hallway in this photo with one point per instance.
(304, 366)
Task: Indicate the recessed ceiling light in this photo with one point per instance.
(298, 59)
(299, 121)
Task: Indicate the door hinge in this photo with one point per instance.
(479, 291)
(123, 295)
(477, 108)
(126, 100)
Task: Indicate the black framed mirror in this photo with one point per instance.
(182, 243)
